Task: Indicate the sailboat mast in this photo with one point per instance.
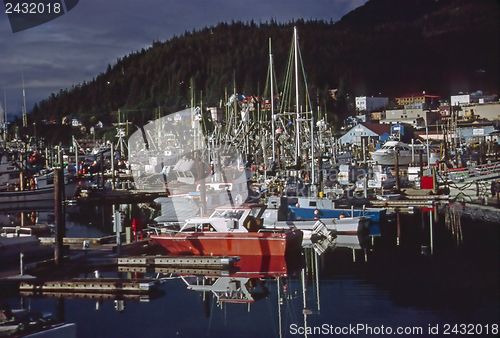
(5, 124)
(25, 117)
(271, 72)
(313, 169)
(297, 107)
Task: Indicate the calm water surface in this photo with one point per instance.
(400, 284)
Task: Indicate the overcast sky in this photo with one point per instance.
(80, 44)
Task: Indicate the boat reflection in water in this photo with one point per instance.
(232, 231)
(265, 297)
(25, 322)
(293, 289)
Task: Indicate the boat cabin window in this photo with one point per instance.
(230, 214)
(207, 227)
(191, 227)
(251, 224)
(255, 212)
(312, 203)
(197, 227)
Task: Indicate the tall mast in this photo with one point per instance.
(313, 175)
(297, 107)
(25, 117)
(5, 115)
(271, 72)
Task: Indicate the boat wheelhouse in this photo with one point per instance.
(229, 232)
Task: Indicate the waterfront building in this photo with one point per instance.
(369, 104)
(377, 116)
(465, 133)
(414, 115)
(485, 111)
(368, 131)
(475, 97)
(425, 100)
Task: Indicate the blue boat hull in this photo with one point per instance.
(299, 214)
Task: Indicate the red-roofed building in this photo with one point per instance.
(425, 100)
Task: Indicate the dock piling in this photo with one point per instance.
(58, 214)
(398, 181)
(21, 264)
(117, 224)
(431, 237)
(112, 166)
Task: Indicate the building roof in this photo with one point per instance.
(418, 95)
(378, 128)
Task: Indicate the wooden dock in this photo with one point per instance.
(193, 262)
(403, 203)
(79, 240)
(119, 196)
(95, 285)
(141, 297)
(177, 271)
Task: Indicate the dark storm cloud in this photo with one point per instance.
(80, 44)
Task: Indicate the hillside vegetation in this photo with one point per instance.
(391, 47)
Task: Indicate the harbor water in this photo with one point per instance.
(399, 279)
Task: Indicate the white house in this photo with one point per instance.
(368, 131)
(460, 100)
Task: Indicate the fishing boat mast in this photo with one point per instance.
(25, 117)
(5, 124)
(297, 107)
(271, 76)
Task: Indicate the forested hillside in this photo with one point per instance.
(391, 47)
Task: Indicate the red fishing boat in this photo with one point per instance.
(229, 232)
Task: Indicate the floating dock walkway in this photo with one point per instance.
(193, 262)
(95, 285)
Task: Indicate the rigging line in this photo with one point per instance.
(144, 137)
(306, 89)
(266, 86)
(287, 81)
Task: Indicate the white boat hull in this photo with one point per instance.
(347, 225)
(390, 158)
